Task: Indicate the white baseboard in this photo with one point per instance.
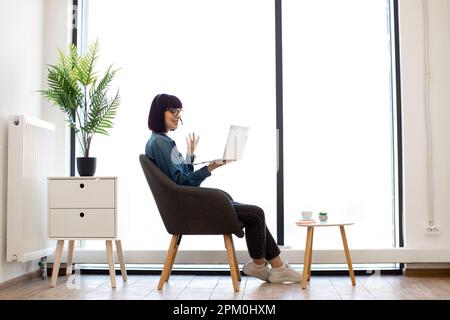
(359, 256)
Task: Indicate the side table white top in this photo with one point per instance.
(324, 224)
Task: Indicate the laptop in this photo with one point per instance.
(234, 148)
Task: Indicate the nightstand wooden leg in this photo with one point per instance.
(69, 258)
(57, 262)
(306, 259)
(110, 254)
(123, 270)
(347, 255)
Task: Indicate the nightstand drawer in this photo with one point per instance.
(82, 223)
(79, 193)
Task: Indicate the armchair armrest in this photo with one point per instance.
(226, 193)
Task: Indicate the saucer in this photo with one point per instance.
(305, 222)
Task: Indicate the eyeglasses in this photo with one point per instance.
(175, 111)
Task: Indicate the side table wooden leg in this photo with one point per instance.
(57, 262)
(69, 258)
(310, 253)
(110, 254)
(306, 259)
(347, 255)
(119, 251)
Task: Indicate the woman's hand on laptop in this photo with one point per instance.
(217, 164)
(191, 142)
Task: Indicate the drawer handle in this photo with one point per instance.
(82, 214)
(81, 185)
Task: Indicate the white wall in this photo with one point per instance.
(30, 32)
(57, 30)
(414, 125)
(21, 75)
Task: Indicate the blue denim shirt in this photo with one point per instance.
(163, 151)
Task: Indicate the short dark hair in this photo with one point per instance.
(160, 104)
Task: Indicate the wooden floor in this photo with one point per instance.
(182, 287)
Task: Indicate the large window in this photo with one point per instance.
(338, 145)
(218, 57)
(221, 67)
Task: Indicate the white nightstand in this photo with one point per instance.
(83, 208)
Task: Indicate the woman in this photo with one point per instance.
(164, 116)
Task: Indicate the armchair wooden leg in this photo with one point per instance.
(235, 259)
(232, 261)
(170, 258)
(172, 261)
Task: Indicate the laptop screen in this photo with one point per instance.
(237, 139)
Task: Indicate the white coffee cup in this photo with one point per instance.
(306, 215)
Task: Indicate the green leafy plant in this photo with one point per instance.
(76, 88)
(323, 213)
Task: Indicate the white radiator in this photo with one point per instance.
(31, 159)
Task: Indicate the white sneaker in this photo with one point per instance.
(260, 272)
(284, 274)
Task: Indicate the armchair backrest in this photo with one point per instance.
(190, 210)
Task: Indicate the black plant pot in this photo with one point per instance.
(86, 166)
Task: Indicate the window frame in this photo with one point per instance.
(79, 13)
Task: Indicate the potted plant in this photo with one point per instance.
(82, 94)
(323, 216)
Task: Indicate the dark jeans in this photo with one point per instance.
(260, 242)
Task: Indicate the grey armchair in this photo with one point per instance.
(187, 210)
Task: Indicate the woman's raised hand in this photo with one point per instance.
(191, 142)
